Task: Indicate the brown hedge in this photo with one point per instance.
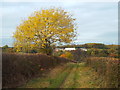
(108, 69)
(19, 68)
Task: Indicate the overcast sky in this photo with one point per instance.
(97, 22)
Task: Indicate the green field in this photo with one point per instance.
(71, 75)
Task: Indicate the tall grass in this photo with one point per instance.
(108, 69)
(19, 68)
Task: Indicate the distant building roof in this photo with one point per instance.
(70, 49)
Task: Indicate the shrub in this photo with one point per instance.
(63, 55)
(79, 55)
(107, 68)
(68, 55)
(58, 53)
(19, 68)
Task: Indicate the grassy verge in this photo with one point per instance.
(68, 76)
(70, 80)
(53, 80)
(86, 77)
(82, 77)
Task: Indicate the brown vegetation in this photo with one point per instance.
(19, 68)
(108, 69)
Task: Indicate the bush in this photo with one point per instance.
(79, 55)
(107, 68)
(68, 55)
(58, 53)
(19, 68)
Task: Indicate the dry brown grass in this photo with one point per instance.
(108, 69)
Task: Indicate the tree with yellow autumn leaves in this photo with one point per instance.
(43, 29)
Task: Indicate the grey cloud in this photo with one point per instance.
(95, 21)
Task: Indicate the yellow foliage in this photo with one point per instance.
(44, 28)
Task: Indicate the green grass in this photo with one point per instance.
(67, 76)
(56, 82)
(53, 80)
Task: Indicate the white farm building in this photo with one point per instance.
(69, 49)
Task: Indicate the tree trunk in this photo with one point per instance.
(48, 48)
